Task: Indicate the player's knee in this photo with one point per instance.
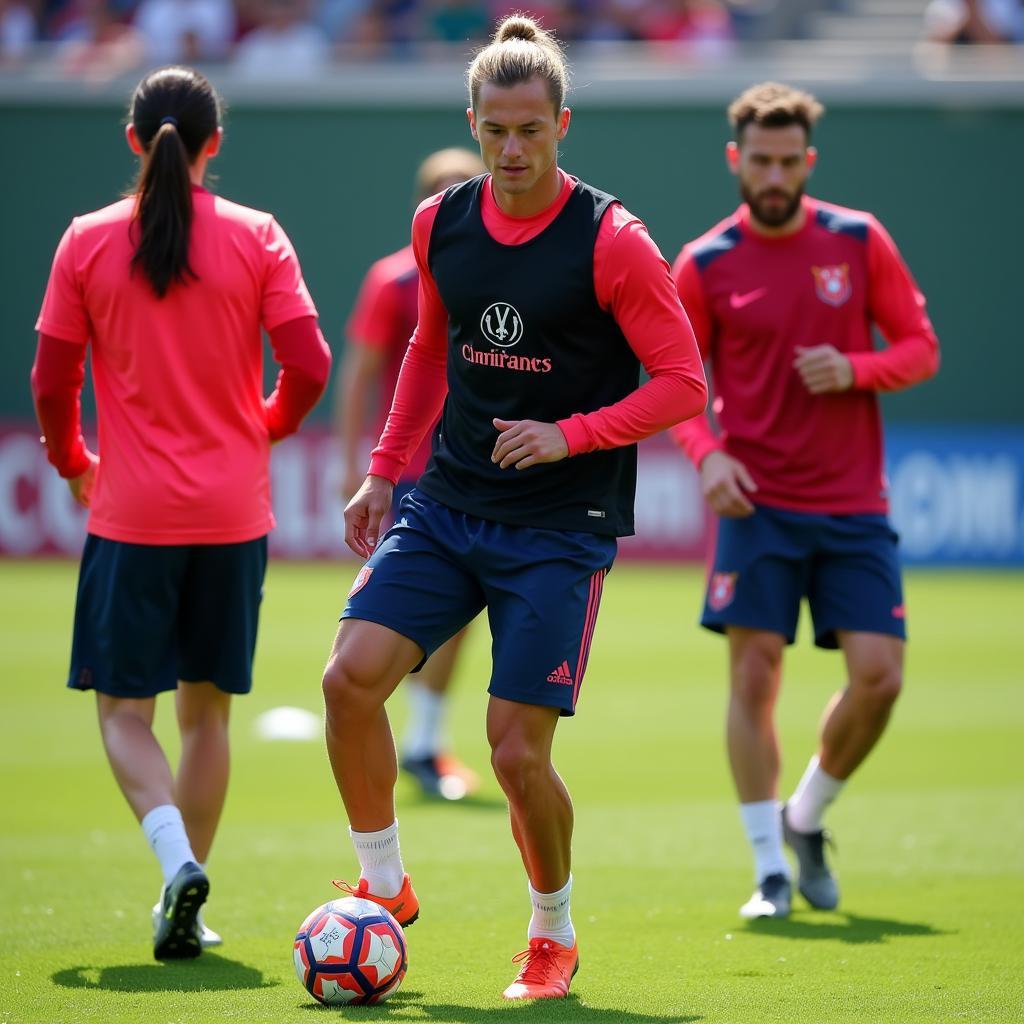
(347, 684)
(116, 714)
(205, 722)
(879, 685)
(204, 717)
(755, 677)
(517, 764)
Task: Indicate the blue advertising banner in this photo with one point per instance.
(957, 494)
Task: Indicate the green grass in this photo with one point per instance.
(930, 833)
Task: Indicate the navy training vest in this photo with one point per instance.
(528, 340)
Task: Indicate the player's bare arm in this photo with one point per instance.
(363, 514)
(823, 369)
(725, 482)
(525, 443)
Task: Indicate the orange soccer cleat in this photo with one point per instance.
(404, 907)
(547, 968)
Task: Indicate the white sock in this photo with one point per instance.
(165, 832)
(550, 918)
(423, 733)
(380, 861)
(815, 791)
(764, 830)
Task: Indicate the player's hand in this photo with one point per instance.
(525, 443)
(81, 487)
(363, 514)
(725, 481)
(823, 369)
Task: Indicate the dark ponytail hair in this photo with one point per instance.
(175, 112)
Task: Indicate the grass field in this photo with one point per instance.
(930, 834)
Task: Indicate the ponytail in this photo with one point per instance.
(164, 212)
(175, 112)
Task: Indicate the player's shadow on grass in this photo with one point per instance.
(560, 1010)
(209, 972)
(851, 928)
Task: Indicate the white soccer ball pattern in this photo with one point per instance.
(330, 940)
(382, 954)
(335, 995)
(361, 908)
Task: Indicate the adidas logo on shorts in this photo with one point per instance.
(561, 675)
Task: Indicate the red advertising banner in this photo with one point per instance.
(39, 517)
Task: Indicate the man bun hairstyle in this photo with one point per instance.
(518, 51)
(175, 112)
(774, 105)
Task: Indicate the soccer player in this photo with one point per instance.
(539, 299)
(783, 296)
(378, 333)
(169, 287)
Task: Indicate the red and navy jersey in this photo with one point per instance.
(754, 300)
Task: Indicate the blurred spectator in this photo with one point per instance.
(339, 18)
(456, 21)
(95, 43)
(387, 28)
(763, 20)
(17, 31)
(975, 21)
(704, 24)
(606, 21)
(186, 31)
(558, 16)
(287, 45)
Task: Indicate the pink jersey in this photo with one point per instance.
(631, 281)
(384, 318)
(753, 301)
(183, 427)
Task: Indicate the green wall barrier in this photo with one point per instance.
(945, 182)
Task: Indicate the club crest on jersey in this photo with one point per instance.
(501, 324)
(833, 283)
(721, 590)
(362, 578)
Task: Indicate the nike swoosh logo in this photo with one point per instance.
(737, 301)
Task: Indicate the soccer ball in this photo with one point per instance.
(350, 951)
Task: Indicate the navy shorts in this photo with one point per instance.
(149, 615)
(437, 568)
(846, 566)
(402, 488)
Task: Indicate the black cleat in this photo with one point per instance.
(772, 898)
(177, 933)
(441, 775)
(816, 882)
